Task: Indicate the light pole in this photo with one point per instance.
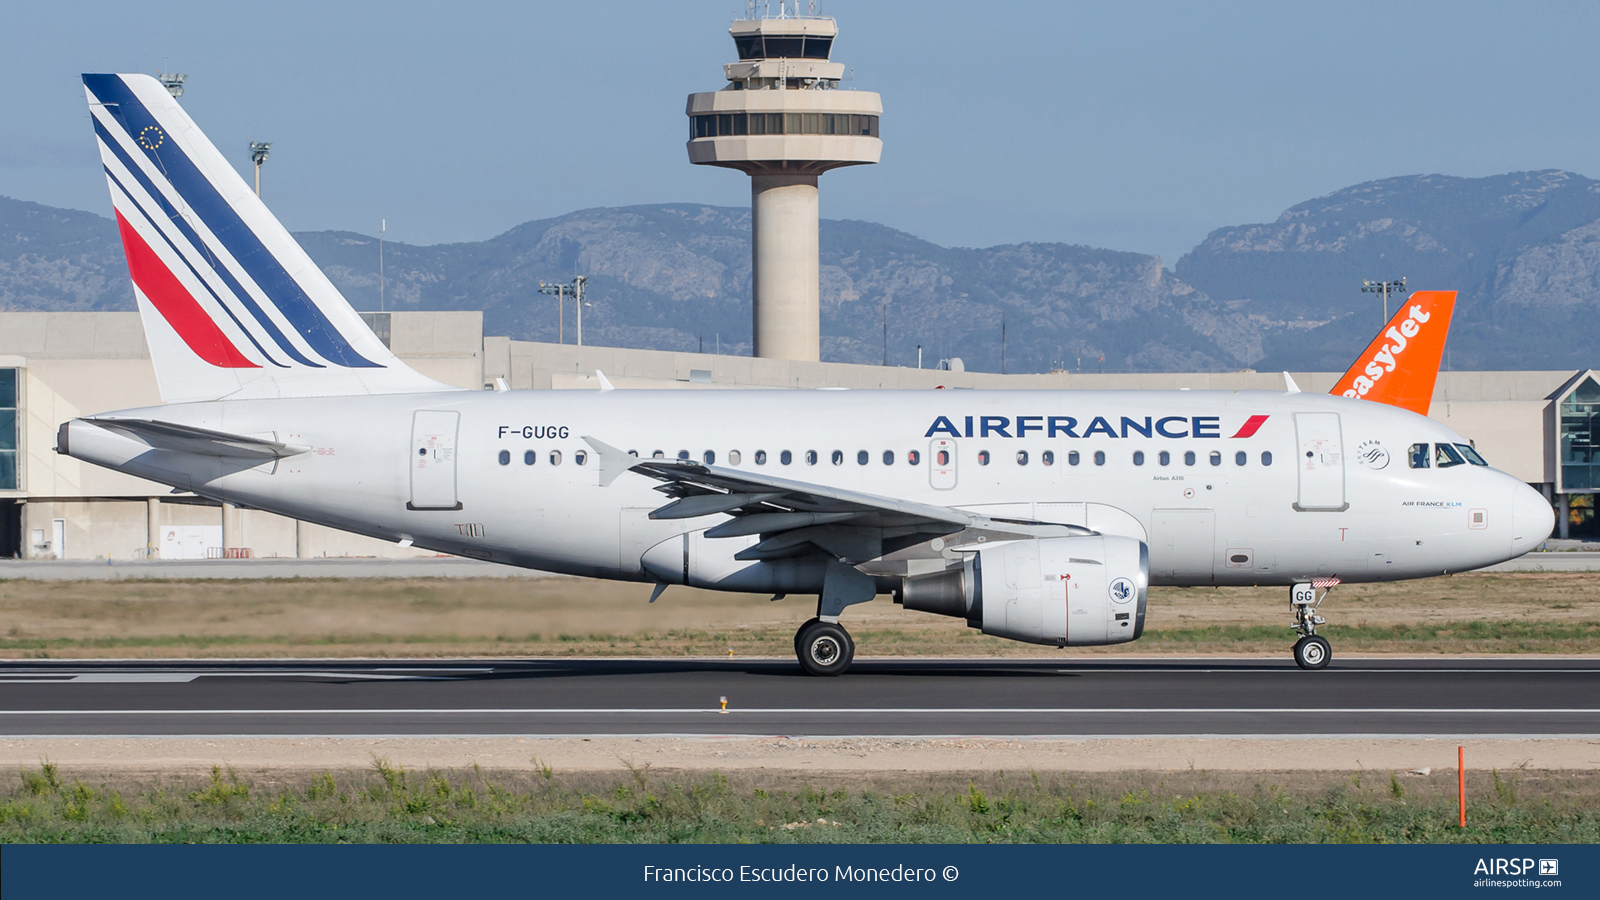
(258, 155)
(558, 291)
(1384, 288)
(173, 82)
(383, 225)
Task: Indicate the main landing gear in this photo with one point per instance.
(1312, 650)
(824, 648)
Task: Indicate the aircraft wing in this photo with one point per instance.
(202, 441)
(795, 518)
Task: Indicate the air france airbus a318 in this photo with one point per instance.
(1040, 516)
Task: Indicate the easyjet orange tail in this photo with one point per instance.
(1401, 364)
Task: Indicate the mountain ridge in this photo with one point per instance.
(1522, 248)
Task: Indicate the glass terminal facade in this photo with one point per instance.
(731, 124)
(1579, 417)
(8, 429)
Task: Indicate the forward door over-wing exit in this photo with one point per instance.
(1321, 461)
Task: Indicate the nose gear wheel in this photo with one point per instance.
(1312, 651)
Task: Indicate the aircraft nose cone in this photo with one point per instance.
(1531, 519)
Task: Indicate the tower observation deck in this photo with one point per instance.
(783, 121)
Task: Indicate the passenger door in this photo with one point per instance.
(1320, 462)
(433, 460)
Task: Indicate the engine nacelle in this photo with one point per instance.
(1069, 591)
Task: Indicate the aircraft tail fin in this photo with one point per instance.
(1401, 364)
(232, 306)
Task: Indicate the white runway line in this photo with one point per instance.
(1129, 710)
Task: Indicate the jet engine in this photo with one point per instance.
(1067, 591)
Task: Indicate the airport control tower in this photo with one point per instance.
(782, 120)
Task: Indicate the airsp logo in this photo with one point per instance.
(1372, 454)
(1122, 590)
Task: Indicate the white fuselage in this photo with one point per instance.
(1338, 497)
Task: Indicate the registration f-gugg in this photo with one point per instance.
(1040, 516)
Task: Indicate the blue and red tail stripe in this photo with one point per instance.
(231, 234)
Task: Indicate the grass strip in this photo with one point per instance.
(389, 804)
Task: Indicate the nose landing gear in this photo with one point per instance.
(1312, 651)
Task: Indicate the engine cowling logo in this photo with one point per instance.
(1121, 590)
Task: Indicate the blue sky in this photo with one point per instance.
(1131, 125)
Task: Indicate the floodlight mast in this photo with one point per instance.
(173, 82)
(1384, 288)
(258, 155)
(575, 290)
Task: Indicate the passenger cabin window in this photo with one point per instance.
(529, 457)
(943, 457)
(838, 457)
(1216, 458)
(659, 454)
(1048, 457)
(1138, 457)
(913, 457)
(888, 457)
(683, 454)
(1099, 457)
(1266, 457)
(983, 457)
(1418, 456)
(1022, 457)
(761, 457)
(862, 457)
(786, 457)
(1446, 455)
(733, 457)
(1188, 457)
(505, 457)
(811, 457)
(581, 457)
(1164, 458)
(1472, 454)
(1072, 457)
(1241, 458)
(555, 457)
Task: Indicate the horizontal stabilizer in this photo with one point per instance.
(201, 441)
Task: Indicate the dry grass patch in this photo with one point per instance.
(1498, 613)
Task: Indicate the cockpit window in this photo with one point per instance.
(1445, 456)
(1472, 455)
(1419, 456)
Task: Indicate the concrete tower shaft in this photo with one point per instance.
(782, 120)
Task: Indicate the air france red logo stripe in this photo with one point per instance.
(177, 305)
(1250, 426)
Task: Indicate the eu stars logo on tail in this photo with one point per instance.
(232, 306)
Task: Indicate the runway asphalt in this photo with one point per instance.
(1423, 697)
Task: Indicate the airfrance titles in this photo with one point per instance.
(1069, 427)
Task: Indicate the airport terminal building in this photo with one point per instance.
(1538, 426)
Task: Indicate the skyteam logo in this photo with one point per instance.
(1174, 427)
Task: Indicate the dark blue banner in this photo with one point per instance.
(435, 871)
